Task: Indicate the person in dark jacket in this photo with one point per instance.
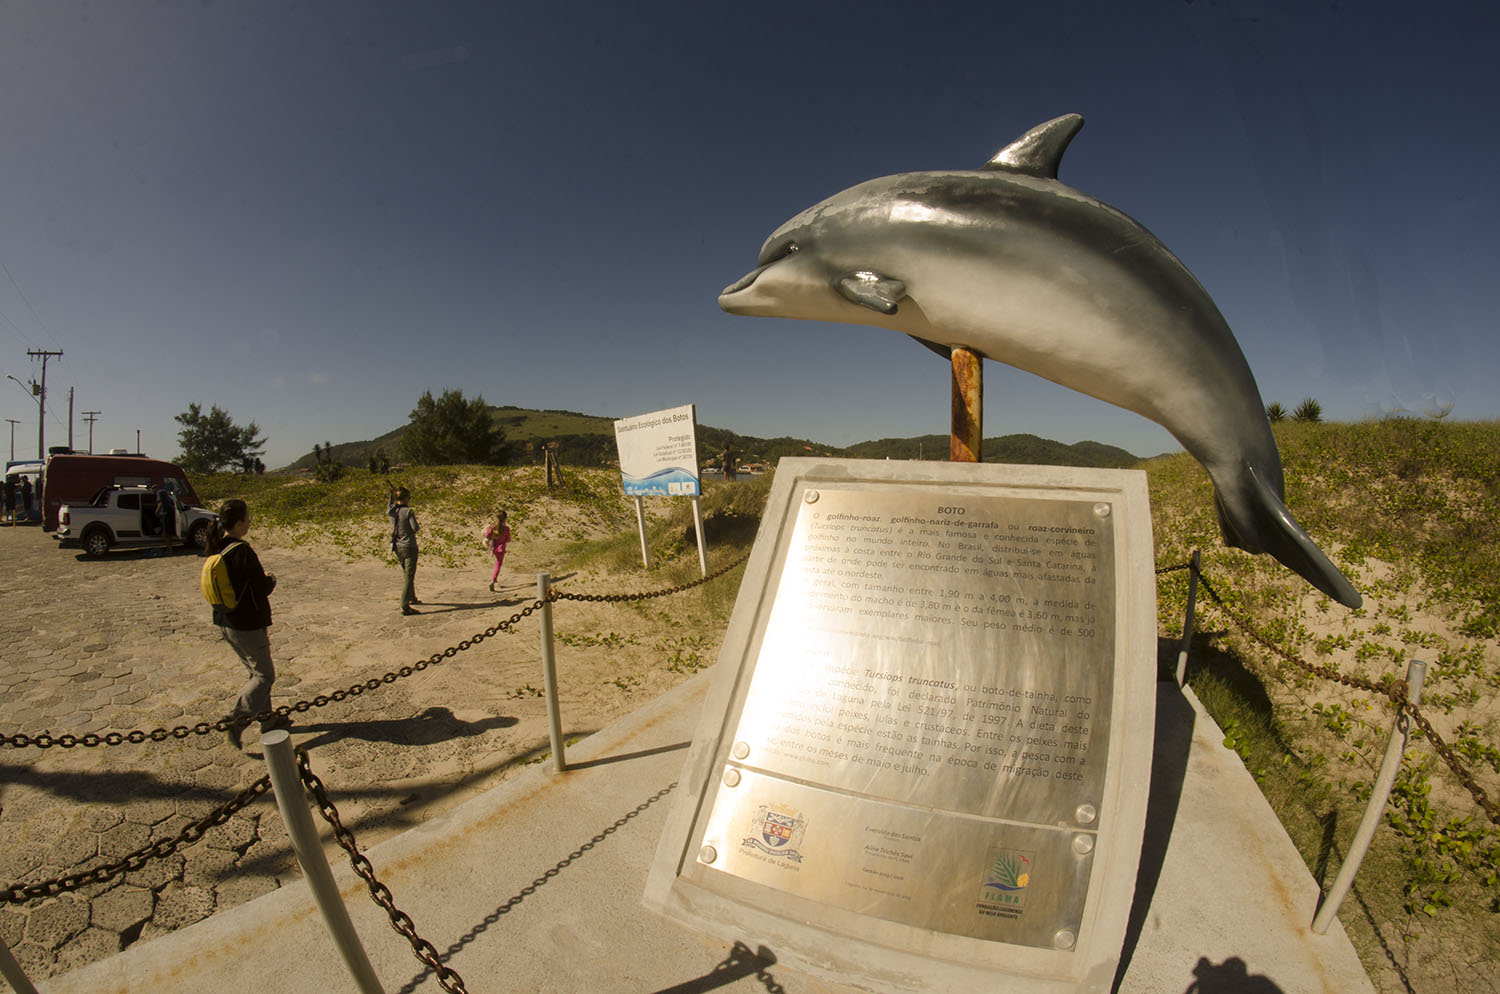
(244, 627)
(404, 530)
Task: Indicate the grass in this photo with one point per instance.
(1411, 511)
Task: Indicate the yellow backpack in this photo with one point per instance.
(217, 588)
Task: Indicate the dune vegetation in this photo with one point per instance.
(1409, 509)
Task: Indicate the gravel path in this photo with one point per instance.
(126, 643)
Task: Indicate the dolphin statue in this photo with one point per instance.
(1010, 263)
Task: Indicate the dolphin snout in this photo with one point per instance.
(743, 281)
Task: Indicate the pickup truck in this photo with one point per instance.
(125, 517)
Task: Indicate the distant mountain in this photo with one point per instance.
(587, 439)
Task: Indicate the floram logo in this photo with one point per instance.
(1008, 873)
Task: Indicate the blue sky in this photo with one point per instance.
(310, 213)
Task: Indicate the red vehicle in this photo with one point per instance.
(75, 479)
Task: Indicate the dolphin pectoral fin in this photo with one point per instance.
(946, 351)
(878, 293)
(1273, 530)
(1038, 151)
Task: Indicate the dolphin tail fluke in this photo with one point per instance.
(1265, 525)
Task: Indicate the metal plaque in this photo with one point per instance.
(921, 723)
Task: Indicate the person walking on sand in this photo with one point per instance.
(495, 538)
(404, 529)
(244, 626)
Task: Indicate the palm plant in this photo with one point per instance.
(1275, 412)
(1309, 411)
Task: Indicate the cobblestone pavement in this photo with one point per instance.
(125, 642)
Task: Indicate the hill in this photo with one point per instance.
(589, 440)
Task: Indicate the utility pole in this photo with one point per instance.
(41, 404)
(138, 440)
(70, 417)
(13, 423)
(91, 417)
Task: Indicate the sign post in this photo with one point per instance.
(659, 457)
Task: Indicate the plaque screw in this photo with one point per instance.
(731, 778)
(810, 496)
(1082, 844)
(741, 750)
(1102, 510)
(1064, 939)
(707, 854)
(1086, 813)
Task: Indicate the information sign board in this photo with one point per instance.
(659, 453)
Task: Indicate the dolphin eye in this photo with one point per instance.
(777, 254)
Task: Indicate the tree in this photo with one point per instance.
(1309, 411)
(212, 442)
(452, 430)
(1275, 413)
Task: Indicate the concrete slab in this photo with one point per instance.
(536, 885)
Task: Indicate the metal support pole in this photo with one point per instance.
(702, 539)
(11, 971)
(549, 673)
(968, 407)
(287, 783)
(1187, 622)
(640, 524)
(1379, 794)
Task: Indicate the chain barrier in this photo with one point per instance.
(1394, 690)
(423, 950)
(46, 740)
(647, 595)
(21, 893)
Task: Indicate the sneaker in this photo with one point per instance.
(415, 601)
(492, 588)
(407, 610)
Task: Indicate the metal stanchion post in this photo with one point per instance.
(287, 784)
(11, 971)
(549, 673)
(1379, 794)
(1187, 622)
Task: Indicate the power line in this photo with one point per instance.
(22, 294)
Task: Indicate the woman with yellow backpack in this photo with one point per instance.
(237, 587)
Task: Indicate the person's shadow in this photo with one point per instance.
(434, 725)
(1229, 977)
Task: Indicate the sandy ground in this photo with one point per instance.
(126, 643)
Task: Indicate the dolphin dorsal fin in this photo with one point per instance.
(1038, 151)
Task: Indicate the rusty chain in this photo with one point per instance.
(647, 595)
(423, 950)
(1395, 690)
(162, 848)
(46, 740)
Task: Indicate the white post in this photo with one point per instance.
(702, 540)
(287, 783)
(1379, 794)
(11, 971)
(549, 673)
(640, 523)
(1187, 622)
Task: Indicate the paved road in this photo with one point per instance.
(125, 643)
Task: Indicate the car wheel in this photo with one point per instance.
(96, 542)
(198, 535)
